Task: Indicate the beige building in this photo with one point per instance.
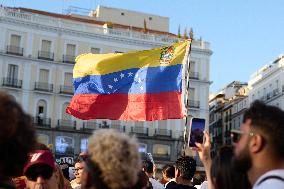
(37, 54)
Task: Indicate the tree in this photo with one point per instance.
(179, 36)
(145, 30)
(185, 33)
(191, 33)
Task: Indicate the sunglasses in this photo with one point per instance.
(236, 135)
(44, 171)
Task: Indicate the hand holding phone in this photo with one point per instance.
(196, 129)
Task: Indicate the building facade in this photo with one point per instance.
(37, 55)
(267, 84)
(226, 113)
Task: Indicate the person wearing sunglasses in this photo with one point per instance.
(259, 146)
(40, 171)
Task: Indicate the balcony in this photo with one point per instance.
(90, 126)
(70, 59)
(64, 89)
(140, 130)
(42, 122)
(194, 104)
(45, 55)
(163, 132)
(275, 92)
(46, 87)
(193, 75)
(66, 124)
(19, 51)
(11, 82)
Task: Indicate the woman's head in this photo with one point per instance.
(168, 172)
(223, 174)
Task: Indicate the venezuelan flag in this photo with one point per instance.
(139, 85)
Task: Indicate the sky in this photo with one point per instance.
(244, 34)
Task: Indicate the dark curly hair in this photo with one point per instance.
(187, 167)
(17, 136)
(269, 120)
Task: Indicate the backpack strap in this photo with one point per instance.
(270, 177)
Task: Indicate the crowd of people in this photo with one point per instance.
(256, 160)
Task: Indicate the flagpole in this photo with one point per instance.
(186, 96)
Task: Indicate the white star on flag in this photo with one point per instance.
(130, 74)
(136, 76)
(139, 80)
(115, 79)
(141, 88)
(110, 86)
(121, 75)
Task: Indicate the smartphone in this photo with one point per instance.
(196, 129)
(150, 158)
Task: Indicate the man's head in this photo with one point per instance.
(113, 162)
(261, 134)
(17, 137)
(78, 170)
(40, 170)
(185, 167)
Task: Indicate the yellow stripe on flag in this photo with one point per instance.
(100, 64)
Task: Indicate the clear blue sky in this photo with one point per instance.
(244, 34)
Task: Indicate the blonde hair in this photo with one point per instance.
(117, 156)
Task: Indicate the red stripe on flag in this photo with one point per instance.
(155, 106)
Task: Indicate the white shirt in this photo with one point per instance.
(272, 182)
(156, 184)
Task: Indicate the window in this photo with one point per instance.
(118, 52)
(64, 144)
(15, 40)
(71, 50)
(150, 18)
(161, 149)
(122, 14)
(142, 148)
(84, 145)
(192, 66)
(46, 46)
(68, 78)
(42, 138)
(95, 50)
(191, 93)
(64, 115)
(43, 75)
(41, 107)
(12, 71)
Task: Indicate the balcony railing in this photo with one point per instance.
(90, 125)
(66, 89)
(69, 59)
(118, 127)
(194, 104)
(42, 122)
(40, 86)
(66, 124)
(11, 82)
(163, 132)
(193, 75)
(275, 92)
(140, 130)
(45, 55)
(15, 50)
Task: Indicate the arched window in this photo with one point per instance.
(41, 108)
